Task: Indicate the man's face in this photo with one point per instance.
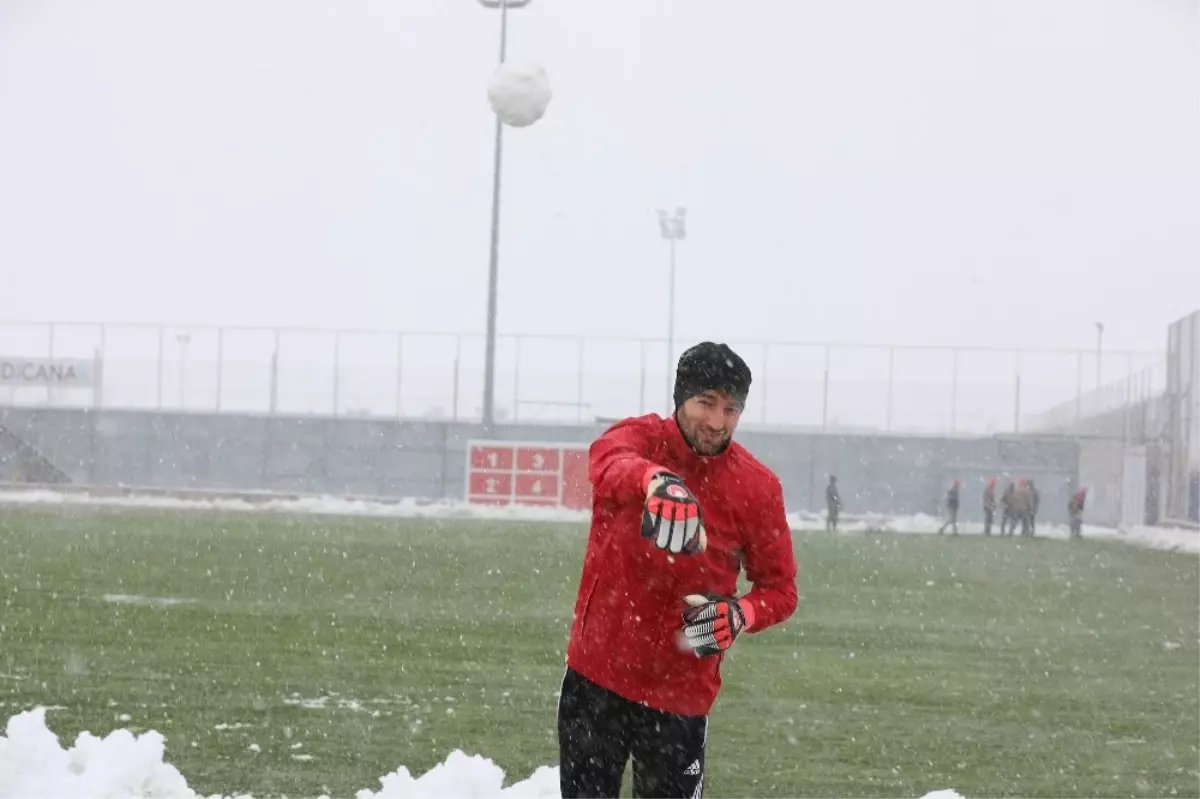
(708, 421)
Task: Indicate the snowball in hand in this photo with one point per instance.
(519, 93)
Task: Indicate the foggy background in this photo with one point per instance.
(925, 173)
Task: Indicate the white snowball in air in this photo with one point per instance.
(519, 93)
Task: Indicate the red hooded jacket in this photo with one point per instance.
(628, 623)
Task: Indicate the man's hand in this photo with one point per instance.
(712, 623)
(671, 517)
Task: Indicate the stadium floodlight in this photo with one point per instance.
(674, 229)
(489, 374)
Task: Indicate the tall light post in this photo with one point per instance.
(1099, 350)
(673, 230)
(489, 373)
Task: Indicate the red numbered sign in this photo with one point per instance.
(522, 473)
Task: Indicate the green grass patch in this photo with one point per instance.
(997, 667)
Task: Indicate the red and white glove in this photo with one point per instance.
(671, 517)
(712, 623)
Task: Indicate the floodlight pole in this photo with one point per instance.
(673, 229)
(489, 374)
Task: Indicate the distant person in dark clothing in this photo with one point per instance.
(833, 504)
(989, 505)
(1021, 507)
(1035, 500)
(952, 497)
(1007, 523)
(1075, 512)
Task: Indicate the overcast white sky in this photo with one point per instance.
(912, 172)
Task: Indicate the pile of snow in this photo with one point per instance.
(519, 93)
(465, 775)
(34, 766)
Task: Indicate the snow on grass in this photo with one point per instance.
(33, 765)
(801, 521)
(1169, 538)
(134, 599)
(314, 505)
(333, 701)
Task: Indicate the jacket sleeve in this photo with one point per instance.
(771, 564)
(618, 460)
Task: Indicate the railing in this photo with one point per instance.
(1131, 408)
(831, 386)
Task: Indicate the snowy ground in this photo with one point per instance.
(34, 765)
(1153, 537)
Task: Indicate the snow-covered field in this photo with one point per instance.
(801, 521)
(34, 765)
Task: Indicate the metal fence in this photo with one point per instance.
(1130, 409)
(436, 375)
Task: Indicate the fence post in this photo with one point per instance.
(1128, 401)
(954, 390)
(1017, 402)
(579, 385)
(399, 372)
(274, 385)
(517, 379)
(457, 358)
(220, 363)
(162, 334)
(50, 349)
(1078, 388)
(337, 370)
(100, 356)
(766, 358)
(891, 384)
(642, 379)
(825, 393)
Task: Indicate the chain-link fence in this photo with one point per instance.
(434, 375)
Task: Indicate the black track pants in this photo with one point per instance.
(598, 731)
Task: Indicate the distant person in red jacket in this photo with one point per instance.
(989, 505)
(678, 510)
(1075, 512)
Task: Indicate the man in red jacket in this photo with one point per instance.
(678, 510)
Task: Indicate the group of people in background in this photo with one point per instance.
(1018, 507)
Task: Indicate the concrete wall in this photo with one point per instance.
(427, 459)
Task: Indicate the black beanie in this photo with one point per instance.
(708, 366)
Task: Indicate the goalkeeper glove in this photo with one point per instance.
(671, 516)
(712, 623)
